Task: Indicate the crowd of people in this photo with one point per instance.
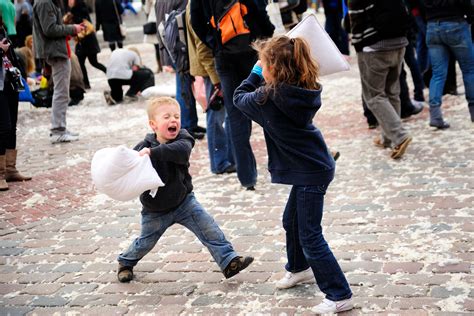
(248, 75)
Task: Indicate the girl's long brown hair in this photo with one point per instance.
(289, 61)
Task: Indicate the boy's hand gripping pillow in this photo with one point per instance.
(122, 174)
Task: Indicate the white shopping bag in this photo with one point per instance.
(323, 49)
(122, 174)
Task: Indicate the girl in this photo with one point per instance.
(282, 95)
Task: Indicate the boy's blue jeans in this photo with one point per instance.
(305, 244)
(191, 215)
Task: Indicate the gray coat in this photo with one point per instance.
(49, 32)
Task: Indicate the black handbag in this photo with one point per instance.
(43, 98)
(149, 28)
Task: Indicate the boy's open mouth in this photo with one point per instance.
(172, 129)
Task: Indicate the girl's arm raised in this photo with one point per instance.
(245, 98)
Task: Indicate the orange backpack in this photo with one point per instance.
(230, 20)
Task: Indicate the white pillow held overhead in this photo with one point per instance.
(122, 174)
(323, 49)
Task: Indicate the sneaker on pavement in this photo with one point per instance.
(109, 99)
(66, 137)
(291, 279)
(328, 306)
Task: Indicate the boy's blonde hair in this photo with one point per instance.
(155, 103)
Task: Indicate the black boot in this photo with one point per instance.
(436, 118)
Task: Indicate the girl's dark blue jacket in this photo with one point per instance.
(297, 153)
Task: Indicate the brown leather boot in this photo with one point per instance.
(12, 174)
(3, 183)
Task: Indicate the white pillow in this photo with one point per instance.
(323, 49)
(122, 174)
(158, 91)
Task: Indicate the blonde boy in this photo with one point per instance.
(169, 148)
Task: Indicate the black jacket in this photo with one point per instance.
(445, 9)
(201, 13)
(297, 153)
(89, 44)
(171, 161)
(376, 20)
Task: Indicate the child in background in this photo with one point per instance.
(282, 95)
(169, 148)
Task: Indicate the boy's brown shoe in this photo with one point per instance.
(236, 265)
(124, 274)
(400, 149)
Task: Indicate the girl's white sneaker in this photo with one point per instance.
(291, 279)
(328, 306)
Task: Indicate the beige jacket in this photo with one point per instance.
(201, 61)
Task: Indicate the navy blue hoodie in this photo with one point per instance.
(297, 153)
(171, 161)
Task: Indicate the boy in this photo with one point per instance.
(169, 149)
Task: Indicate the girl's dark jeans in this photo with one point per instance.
(305, 244)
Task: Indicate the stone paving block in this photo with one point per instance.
(208, 277)
(171, 288)
(76, 250)
(463, 267)
(159, 276)
(126, 288)
(404, 267)
(140, 300)
(68, 267)
(10, 288)
(79, 277)
(97, 299)
(206, 300)
(49, 301)
(444, 292)
(15, 311)
(416, 303)
(361, 266)
(171, 310)
(69, 290)
(399, 290)
(39, 277)
(41, 289)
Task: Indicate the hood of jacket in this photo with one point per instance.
(298, 104)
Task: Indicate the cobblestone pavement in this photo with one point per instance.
(402, 230)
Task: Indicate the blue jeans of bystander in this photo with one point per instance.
(454, 36)
(218, 139)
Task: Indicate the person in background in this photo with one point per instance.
(333, 12)
(108, 16)
(218, 139)
(50, 43)
(184, 81)
(380, 46)
(87, 46)
(7, 9)
(8, 115)
(234, 61)
(445, 19)
(149, 8)
(124, 68)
